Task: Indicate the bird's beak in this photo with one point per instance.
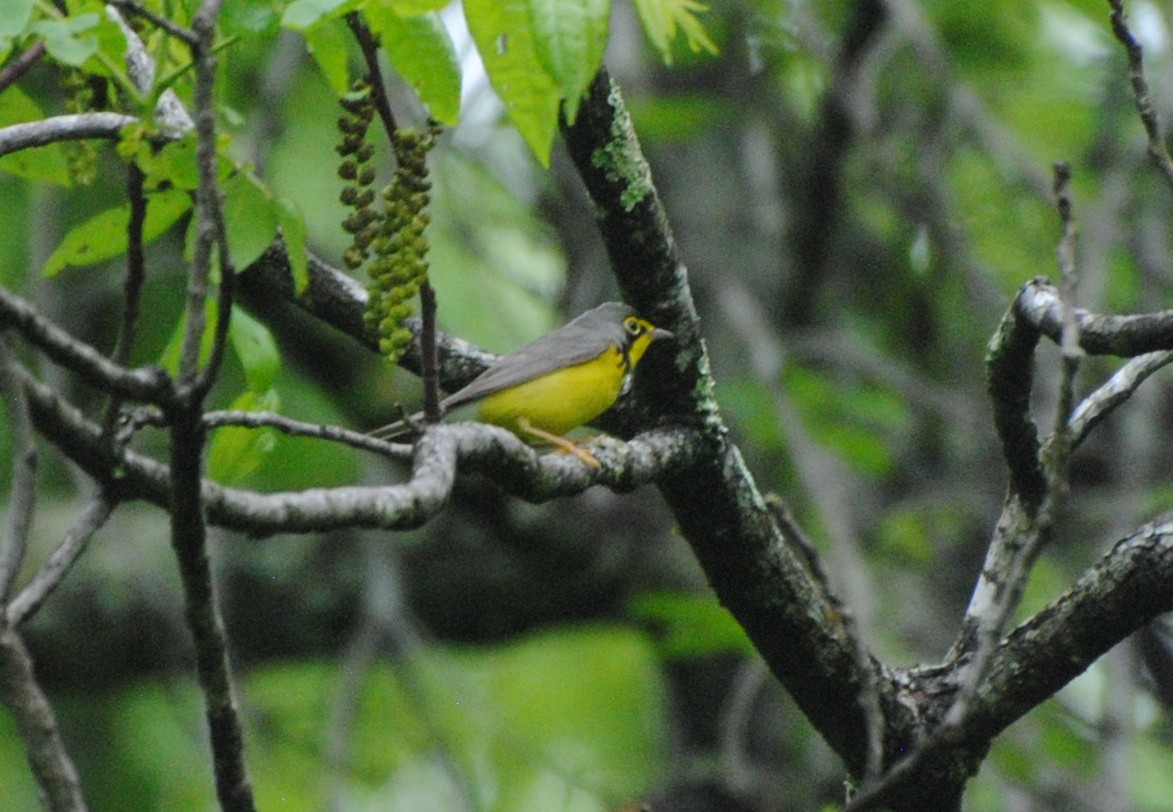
(659, 333)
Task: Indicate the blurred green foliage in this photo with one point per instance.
(572, 719)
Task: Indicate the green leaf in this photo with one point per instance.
(174, 164)
(301, 14)
(256, 350)
(14, 16)
(63, 38)
(236, 451)
(423, 54)
(293, 231)
(328, 42)
(690, 625)
(662, 18)
(570, 37)
(250, 217)
(45, 163)
(411, 8)
(248, 17)
(503, 32)
(104, 235)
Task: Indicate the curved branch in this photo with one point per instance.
(1123, 591)
(1115, 391)
(145, 384)
(1040, 305)
(441, 451)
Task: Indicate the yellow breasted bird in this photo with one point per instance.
(563, 380)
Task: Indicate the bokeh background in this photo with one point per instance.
(858, 188)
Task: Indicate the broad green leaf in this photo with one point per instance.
(328, 42)
(293, 231)
(236, 451)
(256, 350)
(64, 39)
(301, 14)
(570, 37)
(248, 17)
(422, 53)
(45, 163)
(174, 164)
(503, 32)
(662, 19)
(104, 235)
(14, 16)
(250, 217)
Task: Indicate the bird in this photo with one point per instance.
(559, 382)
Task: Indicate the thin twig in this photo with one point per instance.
(1057, 451)
(92, 517)
(1069, 340)
(51, 766)
(299, 428)
(209, 227)
(23, 493)
(133, 284)
(21, 64)
(1140, 88)
(431, 375)
(370, 52)
(1114, 392)
(159, 21)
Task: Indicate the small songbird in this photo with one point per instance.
(563, 380)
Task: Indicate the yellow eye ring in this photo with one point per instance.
(632, 326)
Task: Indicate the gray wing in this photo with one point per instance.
(579, 341)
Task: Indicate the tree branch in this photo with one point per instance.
(754, 568)
(516, 467)
(146, 384)
(1040, 306)
(74, 127)
(188, 435)
(1140, 89)
(23, 494)
(1123, 591)
(51, 765)
(92, 517)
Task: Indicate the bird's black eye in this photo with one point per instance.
(632, 326)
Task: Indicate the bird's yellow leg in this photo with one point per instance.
(561, 442)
